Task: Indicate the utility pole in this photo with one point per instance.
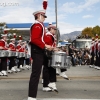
(57, 32)
(56, 13)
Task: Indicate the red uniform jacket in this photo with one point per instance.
(23, 49)
(3, 44)
(49, 39)
(37, 35)
(12, 46)
(92, 48)
(97, 46)
(19, 48)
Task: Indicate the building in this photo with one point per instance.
(22, 28)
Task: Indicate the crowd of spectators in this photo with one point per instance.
(79, 56)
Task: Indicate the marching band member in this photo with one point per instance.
(92, 53)
(49, 73)
(38, 45)
(19, 49)
(96, 50)
(23, 49)
(3, 46)
(98, 68)
(12, 67)
(27, 59)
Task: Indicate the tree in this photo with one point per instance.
(87, 31)
(96, 30)
(2, 24)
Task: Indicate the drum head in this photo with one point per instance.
(59, 52)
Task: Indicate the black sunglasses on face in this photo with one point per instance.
(44, 16)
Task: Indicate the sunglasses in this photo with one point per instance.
(44, 16)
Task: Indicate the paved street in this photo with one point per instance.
(84, 83)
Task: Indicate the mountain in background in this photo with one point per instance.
(71, 35)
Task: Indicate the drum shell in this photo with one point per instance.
(68, 61)
(3, 53)
(21, 54)
(11, 53)
(27, 56)
(17, 54)
(59, 60)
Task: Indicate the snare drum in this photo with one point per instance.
(59, 60)
(10, 53)
(27, 56)
(13, 53)
(3, 53)
(23, 54)
(17, 54)
(20, 54)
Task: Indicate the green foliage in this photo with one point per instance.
(91, 32)
(96, 30)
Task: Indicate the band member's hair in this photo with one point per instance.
(49, 29)
(36, 17)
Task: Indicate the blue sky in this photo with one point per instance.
(73, 15)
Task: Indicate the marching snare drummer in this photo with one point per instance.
(49, 73)
(12, 48)
(92, 53)
(3, 46)
(19, 49)
(98, 68)
(27, 58)
(23, 49)
(96, 50)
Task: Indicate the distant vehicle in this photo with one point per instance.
(63, 43)
(82, 43)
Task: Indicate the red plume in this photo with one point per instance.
(45, 4)
(14, 35)
(96, 36)
(5, 31)
(20, 37)
(92, 38)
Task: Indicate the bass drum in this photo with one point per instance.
(58, 60)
